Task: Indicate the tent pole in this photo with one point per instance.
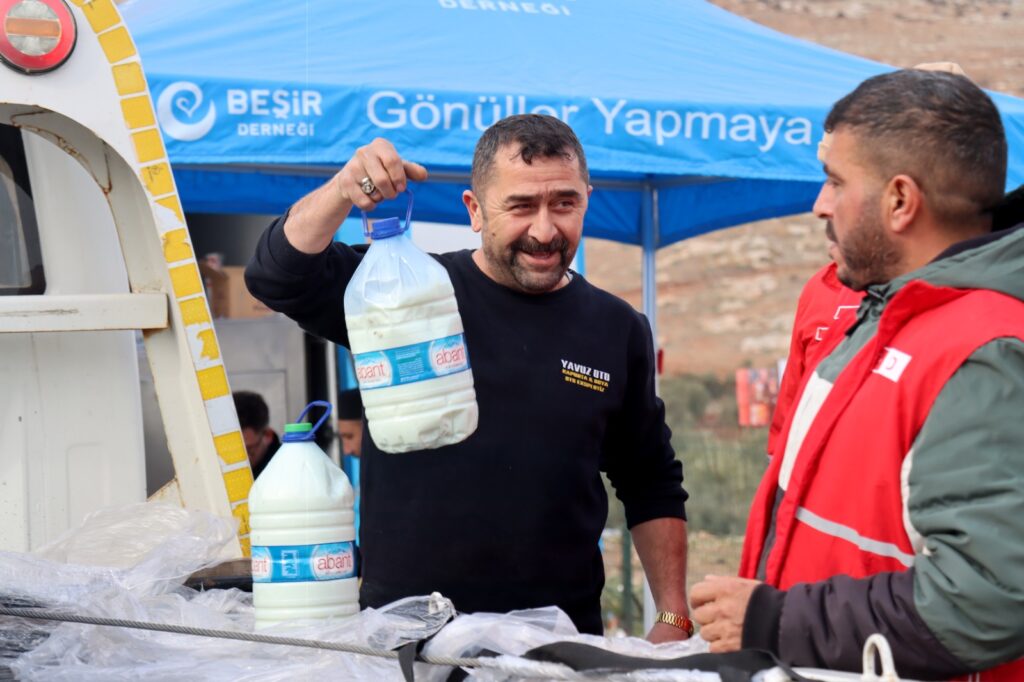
(649, 239)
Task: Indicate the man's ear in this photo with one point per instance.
(902, 203)
(474, 209)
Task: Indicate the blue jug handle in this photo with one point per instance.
(367, 232)
(316, 403)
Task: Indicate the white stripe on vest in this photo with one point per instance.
(811, 400)
(838, 530)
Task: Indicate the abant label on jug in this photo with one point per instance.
(411, 363)
(302, 563)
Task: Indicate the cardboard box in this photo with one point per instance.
(240, 303)
(227, 293)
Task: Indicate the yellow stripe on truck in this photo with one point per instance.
(172, 203)
(208, 339)
(186, 283)
(241, 512)
(128, 79)
(148, 145)
(185, 280)
(117, 45)
(194, 311)
(158, 179)
(138, 113)
(238, 483)
(176, 246)
(100, 13)
(213, 382)
(230, 447)
(243, 540)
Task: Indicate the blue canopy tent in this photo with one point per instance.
(693, 119)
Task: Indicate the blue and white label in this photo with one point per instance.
(303, 563)
(412, 363)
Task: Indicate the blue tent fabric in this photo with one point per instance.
(715, 115)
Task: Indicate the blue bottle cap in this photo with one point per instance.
(386, 227)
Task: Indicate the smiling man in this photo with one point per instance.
(564, 375)
(894, 501)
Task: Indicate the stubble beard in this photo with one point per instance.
(868, 255)
(512, 273)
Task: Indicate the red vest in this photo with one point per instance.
(824, 302)
(844, 513)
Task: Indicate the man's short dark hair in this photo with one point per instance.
(350, 404)
(536, 135)
(939, 128)
(252, 410)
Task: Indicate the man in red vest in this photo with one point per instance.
(895, 500)
(824, 301)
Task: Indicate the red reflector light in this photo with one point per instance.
(36, 35)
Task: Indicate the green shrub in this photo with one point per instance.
(722, 462)
(722, 466)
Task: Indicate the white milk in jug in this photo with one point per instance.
(408, 347)
(303, 533)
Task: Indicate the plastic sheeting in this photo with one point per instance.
(131, 563)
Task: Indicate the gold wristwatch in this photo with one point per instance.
(674, 619)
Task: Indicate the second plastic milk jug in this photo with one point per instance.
(302, 532)
(407, 344)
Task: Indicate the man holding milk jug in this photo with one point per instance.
(481, 473)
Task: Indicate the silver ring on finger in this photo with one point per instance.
(367, 186)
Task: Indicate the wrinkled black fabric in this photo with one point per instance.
(761, 621)
(825, 625)
(738, 666)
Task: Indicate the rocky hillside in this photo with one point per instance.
(727, 299)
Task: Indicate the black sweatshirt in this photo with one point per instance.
(510, 518)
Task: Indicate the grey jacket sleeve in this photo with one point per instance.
(959, 609)
(966, 500)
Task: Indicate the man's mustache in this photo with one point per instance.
(532, 246)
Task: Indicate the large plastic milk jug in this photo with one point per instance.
(407, 344)
(302, 532)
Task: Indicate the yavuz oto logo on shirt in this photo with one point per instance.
(587, 377)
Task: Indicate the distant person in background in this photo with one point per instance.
(350, 421)
(350, 430)
(261, 441)
(824, 302)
